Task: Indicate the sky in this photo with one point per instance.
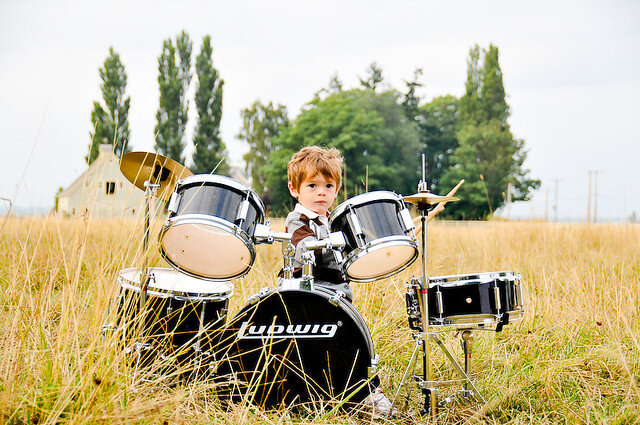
(570, 70)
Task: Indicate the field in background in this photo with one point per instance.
(575, 358)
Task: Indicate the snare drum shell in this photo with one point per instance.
(471, 298)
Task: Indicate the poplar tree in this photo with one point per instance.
(110, 122)
(209, 155)
(488, 156)
(174, 76)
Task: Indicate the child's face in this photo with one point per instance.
(316, 193)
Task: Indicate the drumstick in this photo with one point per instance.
(436, 210)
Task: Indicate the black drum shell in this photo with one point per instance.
(219, 197)
(472, 298)
(373, 217)
(169, 320)
(335, 367)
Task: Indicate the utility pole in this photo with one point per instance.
(595, 197)
(589, 200)
(555, 206)
(546, 204)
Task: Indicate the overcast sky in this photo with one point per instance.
(571, 71)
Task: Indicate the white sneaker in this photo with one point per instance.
(380, 404)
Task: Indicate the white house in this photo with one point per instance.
(102, 191)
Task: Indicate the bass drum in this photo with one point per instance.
(292, 346)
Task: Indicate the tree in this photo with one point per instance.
(174, 76)
(437, 126)
(374, 77)
(411, 101)
(488, 156)
(261, 124)
(110, 122)
(369, 129)
(209, 152)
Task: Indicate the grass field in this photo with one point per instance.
(573, 359)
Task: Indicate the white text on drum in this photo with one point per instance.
(289, 331)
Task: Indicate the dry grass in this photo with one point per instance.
(574, 359)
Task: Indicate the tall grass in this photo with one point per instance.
(573, 359)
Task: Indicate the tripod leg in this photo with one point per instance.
(410, 367)
(461, 372)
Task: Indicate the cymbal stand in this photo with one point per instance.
(423, 335)
(150, 190)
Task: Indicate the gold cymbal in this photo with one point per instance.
(139, 167)
(428, 198)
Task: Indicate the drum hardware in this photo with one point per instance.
(425, 201)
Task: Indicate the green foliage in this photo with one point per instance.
(174, 76)
(374, 77)
(110, 122)
(261, 124)
(488, 156)
(437, 128)
(368, 128)
(209, 152)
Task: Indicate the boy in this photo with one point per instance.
(315, 177)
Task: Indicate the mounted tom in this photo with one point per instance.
(210, 229)
(377, 227)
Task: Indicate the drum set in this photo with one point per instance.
(296, 342)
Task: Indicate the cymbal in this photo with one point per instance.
(428, 198)
(139, 167)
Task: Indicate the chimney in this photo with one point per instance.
(105, 148)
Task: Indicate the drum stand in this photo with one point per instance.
(150, 190)
(424, 336)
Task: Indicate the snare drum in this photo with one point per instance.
(178, 311)
(376, 227)
(494, 298)
(210, 227)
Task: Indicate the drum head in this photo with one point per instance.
(381, 259)
(169, 280)
(295, 346)
(207, 249)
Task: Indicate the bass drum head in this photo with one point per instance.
(295, 346)
(206, 248)
(381, 259)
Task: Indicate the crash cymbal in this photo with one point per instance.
(428, 198)
(139, 167)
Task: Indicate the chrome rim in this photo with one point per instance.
(375, 245)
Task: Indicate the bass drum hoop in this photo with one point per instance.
(380, 243)
(212, 221)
